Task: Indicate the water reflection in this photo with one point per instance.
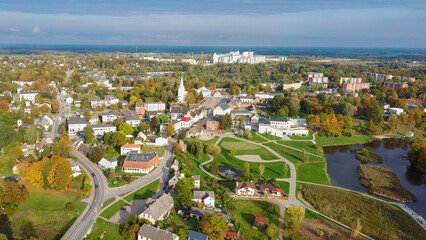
(342, 168)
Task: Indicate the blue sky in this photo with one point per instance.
(313, 23)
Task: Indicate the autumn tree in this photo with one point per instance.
(261, 169)
(295, 217)
(393, 122)
(190, 98)
(213, 150)
(356, 228)
(85, 104)
(60, 173)
(246, 169)
(11, 195)
(170, 129)
(4, 105)
(214, 226)
(87, 115)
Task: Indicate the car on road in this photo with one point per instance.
(96, 186)
(93, 174)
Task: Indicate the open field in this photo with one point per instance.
(195, 170)
(88, 96)
(341, 140)
(243, 212)
(270, 137)
(110, 231)
(175, 221)
(244, 148)
(46, 214)
(307, 145)
(145, 192)
(272, 170)
(255, 137)
(285, 186)
(379, 220)
(309, 137)
(113, 209)
(161, 150)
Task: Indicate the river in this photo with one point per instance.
(342, 168)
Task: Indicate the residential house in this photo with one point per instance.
(177, 110)
(148, 232)
(204, 197)
(316, 79)
(175, 178)
(109, 117)
(161, 141)
(175, 165)
(104, 164)
(195, 131)
(395, 110)
(28, 96)
(269, 188)
(132, 119)
(94, 119)
(193, 235)
(129, 148)
(76, 125)
(222, 109)
(101, 129)
(213, 123)
(349, 84)
(205, 91)
(197, 181)
(232, 235)
(69, 100)
(259, 220)
(46, 121)
(245, 188)
(159, 210)
(75, 168)
(140, 138)
(140, 162)
(395, 85)
(198, 213)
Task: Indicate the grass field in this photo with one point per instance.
(245, 148)
(272, 170)
(159, 149)
(379, 220)
(107, 202)
(44, 214)
(145, 192)
(211, 141)
(312, 171)
(307, 145)
(309, 137)
(175, 221)
(243, 212)
(195, 170)
(89, 96)
(341, 140)
(113, 209)
(270, 137)
(109, 230)
(285, 186)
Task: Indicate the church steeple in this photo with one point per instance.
(181, 92)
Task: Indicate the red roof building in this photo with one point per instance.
(140, 162)
(231, 234)
(261, 220)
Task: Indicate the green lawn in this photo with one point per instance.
(119, 181)
(290, 154)
(113, 209)
(245, 148)
(112, 154)
(159, 149)
(211, 141)
(313, 172)
(44, 214)
(309, 137)
(145, 192)
(107, 202)
(379, 220)
(270, 137)
(89, 96)
(285, 186)
(195, 170)
(307, 145)
(341, 140)
(272, 170)
(109, 230)
(243, 212)
(175, 221)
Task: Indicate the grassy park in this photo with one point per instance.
(113, 209)
(341, 140)
(245, 148)
(379, 220)
(110, 231)
(46, 214)
(161, 150)
(307, 145)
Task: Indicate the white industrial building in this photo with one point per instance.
(236, 57)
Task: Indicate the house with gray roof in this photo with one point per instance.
(147, 232)
(193, 235)
(159, 210)
(222, 109)
(204, 197)
(76, 125)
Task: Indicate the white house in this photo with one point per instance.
(205, 91)
(159, 210)
(69, 100)
(76, 171)
(222, 109)
(127, 148)
(245, 188)
(46, 121)
(76, 125)
(108, 117)
(160, 141)
(204, 197)
(28, 96)
(104, 164)
(396, 111)
(268, 129)
(196, 181)
(101, 129)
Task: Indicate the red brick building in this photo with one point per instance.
(213, 123)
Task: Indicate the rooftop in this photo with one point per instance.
(151, 232)
(77, 120)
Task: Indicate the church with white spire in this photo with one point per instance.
(181, 92)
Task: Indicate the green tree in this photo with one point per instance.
(261, 169)
(271, 230)
(96, 154)
(214, 226)
(226, 122)
(295, 217)
(163, 118)
(61, 148)
(213, 150)
(214, 167)
(183, 193)
(15, 153)
(233, 150)
(117, 122)
(246, 169)
(87, 115)
(183, 232)
(125, 128)
(31, 135)
(85, 104)
(7, 135)
(118, 139)
(89, 134)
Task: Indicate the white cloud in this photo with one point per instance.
(13, 30)
(36, 29)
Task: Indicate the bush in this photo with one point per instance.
(320, 233)
(69, 206)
